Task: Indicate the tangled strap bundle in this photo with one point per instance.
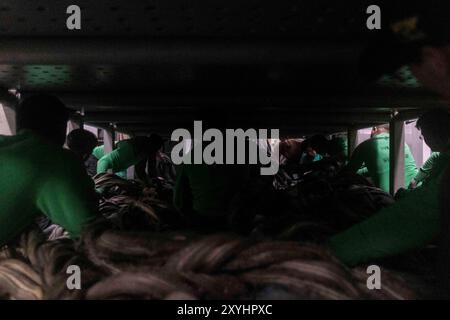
(116, 263)
(129, 265)
(111, 185)
(320, 208)
(46, 262)
(228, 267)
(139, 285)
(313, 211)
(115, 251)
(129, 205)
(19, 280)
(340, 202)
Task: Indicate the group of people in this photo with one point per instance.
(38, 176)
(136, 151)
(414, 220)
(417, 217)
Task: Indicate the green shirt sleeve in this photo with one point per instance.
(98, 152)
(119, 159)
(363, 172)
(105, 163)
(68, 196)
(424, 172)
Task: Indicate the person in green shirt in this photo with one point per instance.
(414, 220)
(424, 46)
(424, 171)
(204, 192)
(38, 177)
(371, 158)
(131, 152)
(99, 152)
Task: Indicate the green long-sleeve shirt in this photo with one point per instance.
(374, 155)
(99, 152)
(424, 172)
(208, 189)
(36, 178)
(120, 159)
(410, 223)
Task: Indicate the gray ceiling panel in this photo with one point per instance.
(162, 60)
(181, 18)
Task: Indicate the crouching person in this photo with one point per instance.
(414, 220)
(37, 176)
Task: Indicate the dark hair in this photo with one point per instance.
(45, 115)
(81, 141)
(436, 122)
(156, 140)
(319, 143)
(148, 144)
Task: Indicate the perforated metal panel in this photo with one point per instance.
(143, 58)
(195, 22)
(198, 18)
(35, 77)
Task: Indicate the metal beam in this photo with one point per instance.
(124, 50)
(109, 139)
(7, 120)
(131, 170)
(244, 117)
(406, 115)
(353, 102)
(296, 131)
(352, 135)
(72, 125)
(8, 101)
(396, 155)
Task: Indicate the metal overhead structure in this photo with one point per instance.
(7, 120)
(113, 51)
(151, 65)
(397, 155)
(299, 57)
(7, 113)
